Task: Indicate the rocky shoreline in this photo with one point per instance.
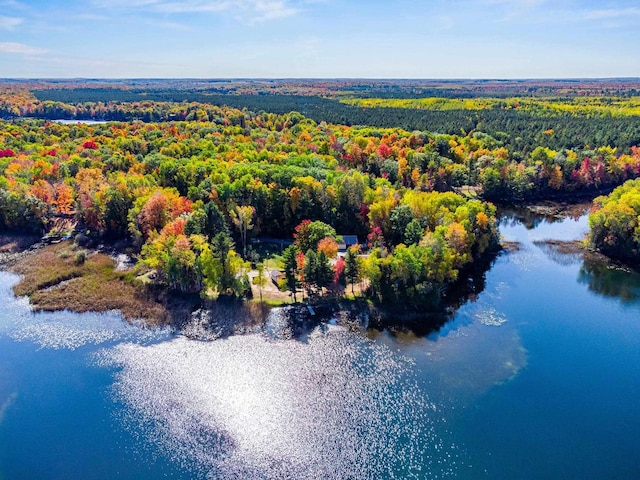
(15, 247)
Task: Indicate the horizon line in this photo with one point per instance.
(441, 79)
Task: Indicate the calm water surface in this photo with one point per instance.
(536, 377)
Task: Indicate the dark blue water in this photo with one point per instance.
(536, 377)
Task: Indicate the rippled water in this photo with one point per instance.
(535, 377)
(250, 408)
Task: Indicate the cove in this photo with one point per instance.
(537, 376)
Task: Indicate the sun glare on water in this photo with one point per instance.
(250, 407)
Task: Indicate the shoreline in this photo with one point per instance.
(588, 254)
(565, 197)
(53, 282)
(62, 276)
(13, 247)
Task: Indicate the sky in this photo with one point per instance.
(319, 39)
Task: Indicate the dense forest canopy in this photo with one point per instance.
(521, 113)
(185, 192)
(374, 88)
(615, 223)
(519, 123)
(189, 182)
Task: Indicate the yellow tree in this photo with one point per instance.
(555, 178)
(242, 217)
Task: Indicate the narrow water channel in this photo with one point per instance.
(537, 376)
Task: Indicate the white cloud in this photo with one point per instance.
(611, 13)
(82, 67)
(272, 9)
(191, 6)
(20, 49)
(181, 27)
(501, 11)
(445, 22)
(248, 10)
(90, 17)
(517, 3)
(13, 4)
(9, 23)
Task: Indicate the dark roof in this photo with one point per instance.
(350, 239)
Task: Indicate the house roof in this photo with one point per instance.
(350, 239)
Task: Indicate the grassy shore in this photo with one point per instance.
(61, 276)
(64, 276)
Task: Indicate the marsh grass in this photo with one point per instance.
(54, 279)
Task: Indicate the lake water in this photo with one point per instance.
(538, 376)
(76, 121)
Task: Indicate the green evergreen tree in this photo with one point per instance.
(352, 268)
(291, 269)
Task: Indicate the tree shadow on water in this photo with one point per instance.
(610, 280)
(225, 317)
(402, 320)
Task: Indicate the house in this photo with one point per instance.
(347, 241)
(276, 277)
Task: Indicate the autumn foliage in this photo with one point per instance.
(187, 192)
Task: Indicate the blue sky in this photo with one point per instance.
(320, 38)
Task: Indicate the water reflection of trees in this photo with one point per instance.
(562, 253)
(610, 281)
(470, 283)
(296, 321)
(532, 216)
(599, 274)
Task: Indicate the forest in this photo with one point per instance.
(615, 223)
(190, 185)
(522, 115)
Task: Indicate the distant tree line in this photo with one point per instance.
(520, 131)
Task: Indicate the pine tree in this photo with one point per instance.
(351, 268)
(291, 269)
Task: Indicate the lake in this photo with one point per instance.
(537, 376)
(77, 121)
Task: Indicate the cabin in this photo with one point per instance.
(347, 241)
(276, 277)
